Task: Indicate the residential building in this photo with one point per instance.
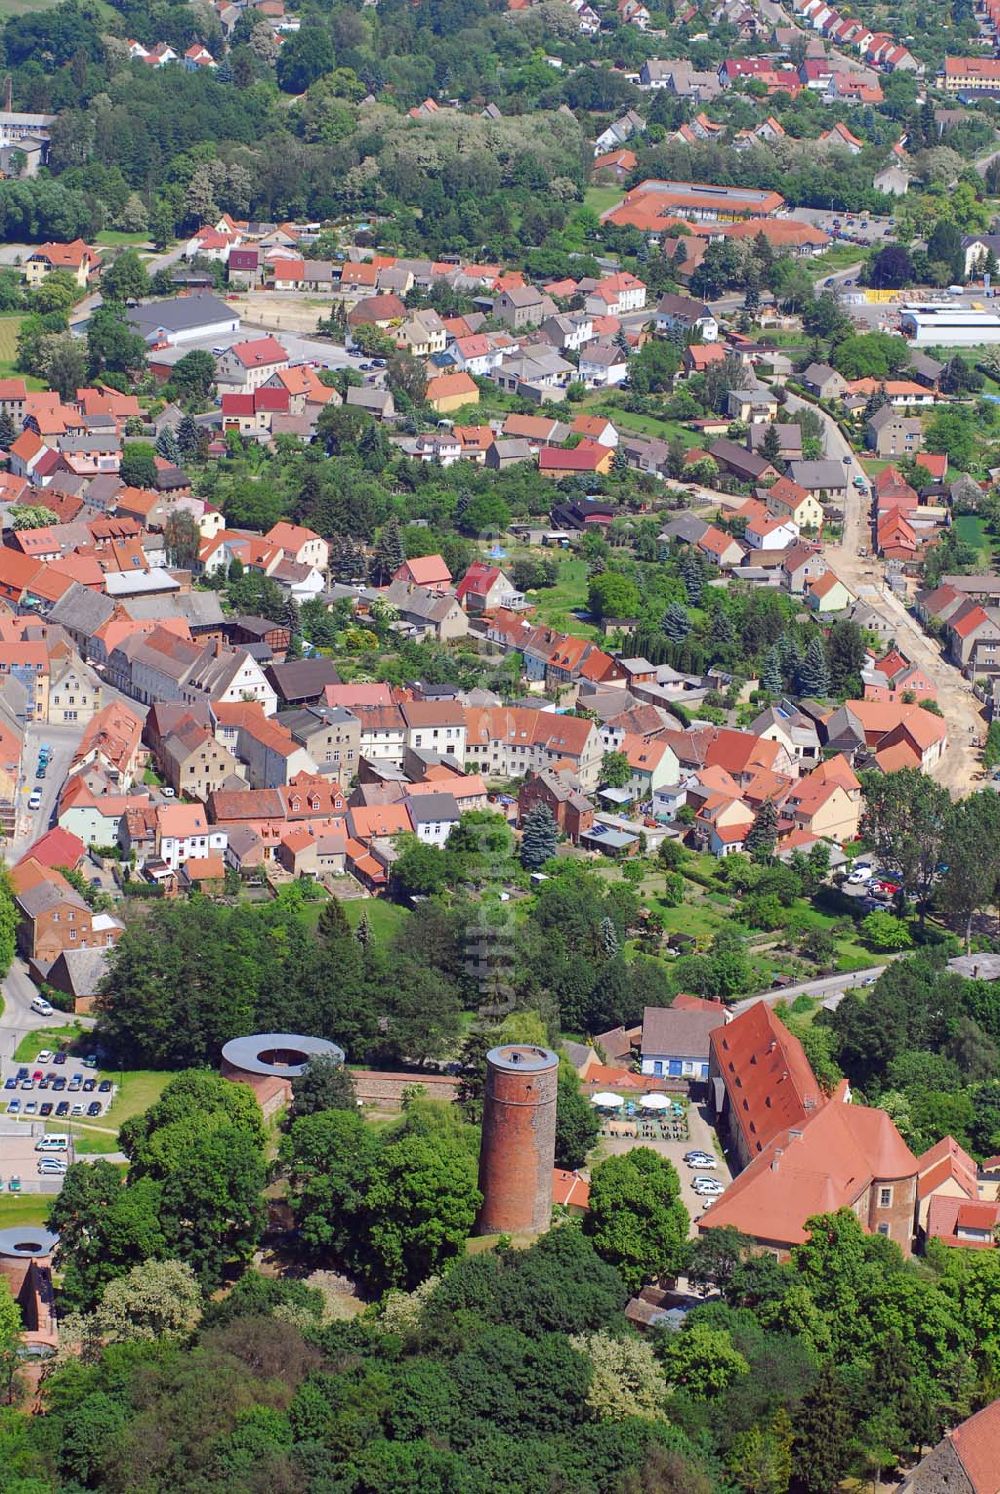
(77, 259)
(508, 742)
(248, 365)
(561, 791)
(681, 313)
(966, 1459)
(331, 735)
(183, 833)
(484, 588)
(675, 1040)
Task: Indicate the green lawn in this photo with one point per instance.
(556, 604)
(137, 1090)
(837, 257)
(23, 1208)
(10, 326)
(386, 918)
(972, 530)
(602, 199)
(111, 238)
(650, 425)
(46, 1037)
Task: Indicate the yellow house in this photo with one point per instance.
(74, 692)
(827, 593)
(77, 258)
(789, 500)
(451, 391)
(825, 810)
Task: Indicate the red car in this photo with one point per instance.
(889, 888)
(37, 1075)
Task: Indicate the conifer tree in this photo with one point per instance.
(540, 837)
(675, 623)
(814, 676)
(763, 833)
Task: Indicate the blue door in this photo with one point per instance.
(674, 1068)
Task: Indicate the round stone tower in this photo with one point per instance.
(518, 1148)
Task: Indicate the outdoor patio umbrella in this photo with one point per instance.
(606, 1100)
(654, 1102)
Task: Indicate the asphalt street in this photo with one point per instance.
(827, 986)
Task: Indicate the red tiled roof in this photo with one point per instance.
(766, 1073)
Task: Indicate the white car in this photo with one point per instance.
(708, 1187)
(45, 1056)
(35, 801)
(701, 1160)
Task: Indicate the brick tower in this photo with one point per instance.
(518, 1148)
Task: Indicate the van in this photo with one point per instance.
(42, 1007)
(56, 1141)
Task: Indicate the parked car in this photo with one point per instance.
(35, 801)
(62, 1108)
(76, 1110)
(708, 1187)
(46, 1109)
(702, 1160)
(94, 1108)
(10, 1083)
(38, 1075)
(105, 1087)
(60, 1056)
(39, 1004)
(14, 1108)
(45, 1056)
(89, 1085)
(59, 1083)
(31, 1108)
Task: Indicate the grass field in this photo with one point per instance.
(602, 199)
(556, 603)
(972, 531)
(112, 238)
(23, 1208)
(838, 257)
(137, 1090)
(386, 918)
(10, 326)
(650, 425)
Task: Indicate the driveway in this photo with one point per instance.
(702, 1135)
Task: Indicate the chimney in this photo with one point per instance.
(775, 1159)
(217, 649)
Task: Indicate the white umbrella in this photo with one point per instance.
(654, 1102)
(606, 1100)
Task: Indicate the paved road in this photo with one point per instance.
(31, 823)
(827, 985)
(19, 990)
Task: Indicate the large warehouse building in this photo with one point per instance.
(949, 326)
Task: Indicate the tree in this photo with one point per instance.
(577, 1124)
(616, 770)
(62, 362)
(991, 751)
(700, 1359)
(613, 595)
(654, 367)
(304, 58)
(636, 1219)
(845, 649)
(422, 1202)
(188, 437)
(406, 378)
(906, 816)
(167, 445)
(325, 1084)
(8, 431)
(193, 375)
(30, 516)
(182, 538)
(675, 623)
(763, 833)
(891, 268)
(883, 931)
(970, 847)
(419, 869)
(156, 1300)
(127, 279)
(329, 1158)
(626, 1381)
(770, 447)
(539, 837)
(389, 554)
(104, 1229)
(716, 1255)
(813, 676)
(111, 344)
(824, 1428)
(138, 464)
(944, 246)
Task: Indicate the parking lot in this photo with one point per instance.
(55, 1087)
(702, 1134)
(24, 1169)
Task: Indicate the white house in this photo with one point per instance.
(183, 832)
(433, 817)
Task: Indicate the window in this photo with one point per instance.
(883, 1229)
(885, 1198)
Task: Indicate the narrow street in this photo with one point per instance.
(865, 575)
